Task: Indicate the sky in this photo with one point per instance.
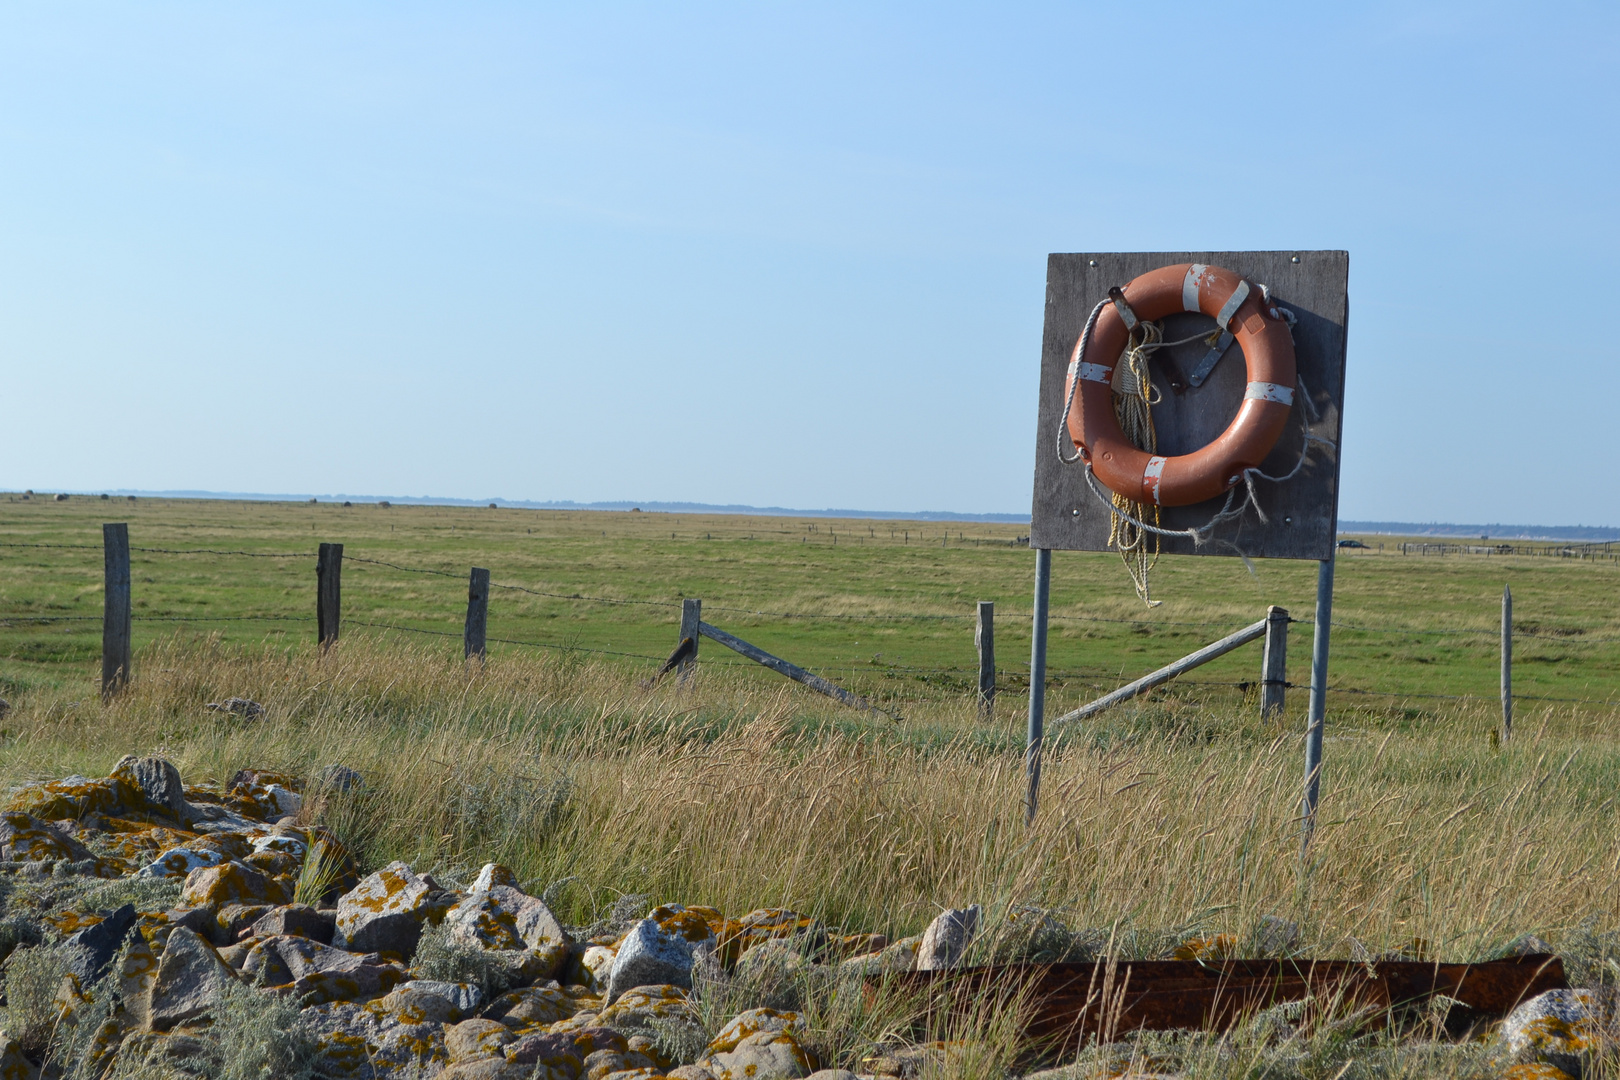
(777, 254)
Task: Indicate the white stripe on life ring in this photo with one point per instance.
(1154, 470)
(1091, 372)
(1189, 287)
(1269, 391)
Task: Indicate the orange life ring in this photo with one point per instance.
(1268, 350)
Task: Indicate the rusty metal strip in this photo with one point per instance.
(1072, 1002)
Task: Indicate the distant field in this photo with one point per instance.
(885, 607)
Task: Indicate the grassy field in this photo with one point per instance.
(1172, 817)
(885, 607)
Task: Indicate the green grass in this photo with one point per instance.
(1430, 621)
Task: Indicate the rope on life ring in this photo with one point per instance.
(1122, 438)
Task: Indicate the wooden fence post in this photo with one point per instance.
(328, 593)
(984, 639)
(472, 638)
(115, 611)
(1274, 663)
(1507, 663)
(691, 618)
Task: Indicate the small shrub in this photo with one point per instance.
(441, 956)
(33, 978)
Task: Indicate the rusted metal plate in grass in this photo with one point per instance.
(1068, 1003)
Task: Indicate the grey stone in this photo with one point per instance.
(1526, 945)
(101, 943)
(158, 781)
(833, 1074)
(1561, 1028)
(477, 1038)
(690, 1072)
(339, 778)
(25, 838)
(947, 938)
(464, 996)
(764, 1055)
(300, 919)
(191, 978)
(650, 956)
(1276, 936)
(239, 706)
(501, 917)
(533, 1049)
(385, 912)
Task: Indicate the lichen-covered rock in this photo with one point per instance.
(753, 1022)
(181, 861)
(1561, 1028)
(532, 1006)
(737, 936)
(659, 952)
(947, 938)
(501, 917)
(101, 943)
(764, 1055)
(25, 838)
(191, 977)
(14, 1065)
(477, 1038)
(557, 1052)
(894, 958)
(596, 965)
(406, 1005)
(299, 919)
(385, 912)
(311, 972)
(638, 1008)
(464, 996)
(487, 1069)
(75, 797)
(153, 784)
(231, 883)
(493, 874)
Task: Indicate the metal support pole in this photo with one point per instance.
(1318, 707)
(1507, 663)
(115, 611)
(1274, 664)
(984, 640)
(1037, 682)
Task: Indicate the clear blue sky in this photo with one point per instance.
(777, 253)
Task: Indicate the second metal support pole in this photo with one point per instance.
(1037, 682)
(1318, 707)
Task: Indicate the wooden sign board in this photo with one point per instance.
(1302, 513)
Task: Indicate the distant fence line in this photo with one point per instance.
(116, 658)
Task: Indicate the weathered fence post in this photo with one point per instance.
(1507, 663)
(984, 639)
(691, 617)
(115, 610)
(1274, 663)
(1316, 718)
(1037, 683)
(328, 593)
(472, 638)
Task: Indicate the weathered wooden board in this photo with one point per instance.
(1303, 513)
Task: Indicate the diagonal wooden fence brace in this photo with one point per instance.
(1168, 672)
(782, 667)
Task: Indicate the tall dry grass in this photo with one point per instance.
(1172, 820)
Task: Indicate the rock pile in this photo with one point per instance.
(274, 904)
